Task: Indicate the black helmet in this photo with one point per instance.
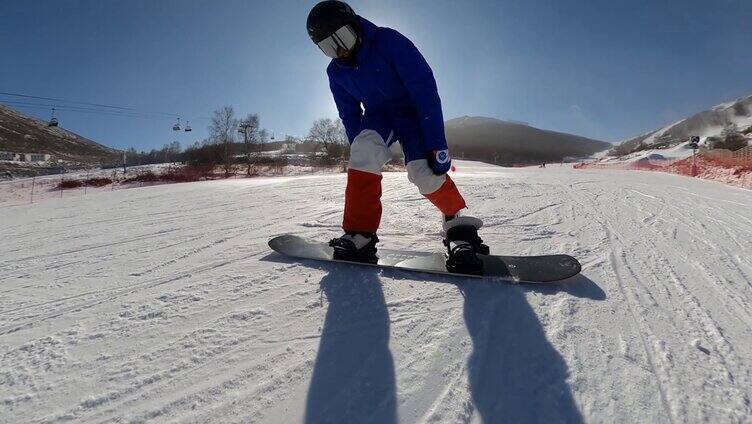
(333, 26)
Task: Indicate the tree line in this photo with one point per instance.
(241, 141)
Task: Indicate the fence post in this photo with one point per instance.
(694, 167)
(33, 182)
(61, 184)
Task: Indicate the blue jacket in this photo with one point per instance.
(397, 89)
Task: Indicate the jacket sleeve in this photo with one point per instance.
(418, 78)
(349, 109)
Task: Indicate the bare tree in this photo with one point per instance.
(175, 147)
(222, 131)
(249, 128)
(206, 152)
(740, 109)
(331, 134)
(171, 151)
(731, 138)
(263, 138)
(290, 143)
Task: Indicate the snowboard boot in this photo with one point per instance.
(355, 247)
(463, 244)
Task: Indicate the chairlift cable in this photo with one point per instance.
(97, 108)
(75, 109)
(86, 103)
(89, 111)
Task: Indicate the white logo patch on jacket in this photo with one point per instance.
(442, 156)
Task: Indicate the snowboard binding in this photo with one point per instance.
(355, 247)
(464, 245)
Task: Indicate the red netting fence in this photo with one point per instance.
(726, 166)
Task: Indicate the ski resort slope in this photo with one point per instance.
(164, 304)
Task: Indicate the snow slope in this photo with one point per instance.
(680, 151)
(705, 124)
(23, 134)
(164, 304)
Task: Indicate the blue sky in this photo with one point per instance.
(602, 69)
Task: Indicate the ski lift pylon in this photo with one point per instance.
(53, 121)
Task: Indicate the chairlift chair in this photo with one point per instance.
(176, 127)
(53, 121)
(188, 126)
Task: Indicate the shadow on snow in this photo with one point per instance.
(515, 374)
(353, 378)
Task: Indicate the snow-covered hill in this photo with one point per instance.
(23, 134)
(510, 142)
(705, 124)
(164, 304)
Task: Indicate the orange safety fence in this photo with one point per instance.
(733, 169)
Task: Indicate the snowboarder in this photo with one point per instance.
(383, 71)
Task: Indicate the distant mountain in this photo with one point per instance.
(708, 125)
(506, 142)
(23, 134)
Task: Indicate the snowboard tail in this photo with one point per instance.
(528, 269)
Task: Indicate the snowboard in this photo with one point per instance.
(521, 269)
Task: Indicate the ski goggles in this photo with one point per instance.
(340, 43)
